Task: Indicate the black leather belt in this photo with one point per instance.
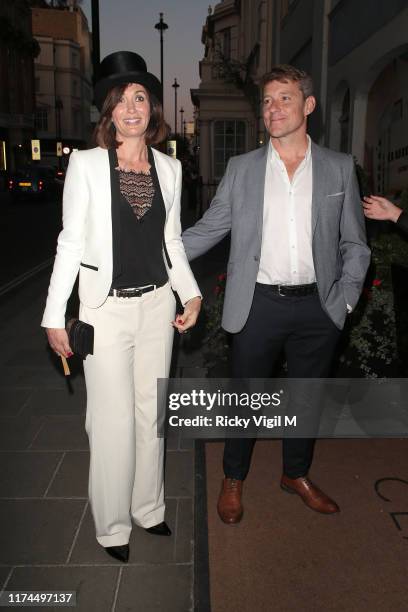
(291, 290)
(132, 291)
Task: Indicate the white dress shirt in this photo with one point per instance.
(286, 251)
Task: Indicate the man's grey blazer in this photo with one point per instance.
(340, 252)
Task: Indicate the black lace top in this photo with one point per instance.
(138, 190)
(138, 230)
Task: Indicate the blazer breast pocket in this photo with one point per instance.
(338, 194)
(334, 200)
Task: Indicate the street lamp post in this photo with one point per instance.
(96, 45)
(181, 121)
(161, 26)
(58, 108)
(175, 86)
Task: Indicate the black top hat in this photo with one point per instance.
(124, 67)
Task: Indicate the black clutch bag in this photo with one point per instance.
(81, 337)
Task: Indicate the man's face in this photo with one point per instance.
(285, 109)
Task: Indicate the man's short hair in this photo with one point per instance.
(284, 73)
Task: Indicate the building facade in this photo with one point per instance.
(63, 79)
(357, 54)
(17, 102)
(238, 51)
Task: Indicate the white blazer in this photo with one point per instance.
(85, 243)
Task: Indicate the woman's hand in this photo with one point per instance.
(188, 319)
(381, 209)
(58, 341)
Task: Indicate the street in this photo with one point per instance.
(28, 235)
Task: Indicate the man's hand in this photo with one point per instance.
(188, 319)
(58, 341)
(381, 209)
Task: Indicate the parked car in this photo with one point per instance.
(34, 182)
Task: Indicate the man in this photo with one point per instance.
(297, 264)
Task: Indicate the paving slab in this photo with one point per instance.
(144, 547)
(164, 588)
(19, 433)
(94, 586)
(71, 479)
(179, 473)
(173, 442)
(13, 400)
(186, 443)
(56, 402)
(41, 531)
(31, 377)
(4, 572)
(62, 433)
(26, 474)
(185, 531)
(38, 354)
(177, 442)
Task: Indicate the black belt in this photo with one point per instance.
(132, 291)
(291, 290)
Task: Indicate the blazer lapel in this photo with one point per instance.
(257, 178)
(115, 199)
(165, 179)
(320, 178)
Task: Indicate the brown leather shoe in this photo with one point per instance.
(310, 494)
(229, 505)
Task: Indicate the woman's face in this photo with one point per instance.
(131, 115)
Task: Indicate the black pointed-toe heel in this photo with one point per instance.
(121, 553)
(162, 529)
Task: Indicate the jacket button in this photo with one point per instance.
(256, 257)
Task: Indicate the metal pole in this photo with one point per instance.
(161, 26)
(176, 86)
(96, 47)
(181, 120)
(58, 108)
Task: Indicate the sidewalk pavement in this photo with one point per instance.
(48, 540)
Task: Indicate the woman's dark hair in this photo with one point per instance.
(105, 133)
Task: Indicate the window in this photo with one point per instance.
(226, 43)
(41, 119)
(75, 88)
(37, 84)
(396, 113)
(285, 7)
(229, 140)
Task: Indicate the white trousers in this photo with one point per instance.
(132, 349)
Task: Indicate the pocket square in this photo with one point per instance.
(332, 195)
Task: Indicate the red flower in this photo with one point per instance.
(217, 290)
(221, 277)
(377, 282)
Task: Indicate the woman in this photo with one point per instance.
(381, 209)
(121, 230)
